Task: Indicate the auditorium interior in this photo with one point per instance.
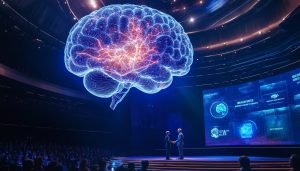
(113, 85)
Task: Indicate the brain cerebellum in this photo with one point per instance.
(123, 46)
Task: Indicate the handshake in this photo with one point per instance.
(173, 142)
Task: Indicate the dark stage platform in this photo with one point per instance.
(208, 163)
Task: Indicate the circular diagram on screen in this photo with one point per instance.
(219, 109)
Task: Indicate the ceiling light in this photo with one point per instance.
(93, 4)
(192, 19)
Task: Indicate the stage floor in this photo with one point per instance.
(201, 158)
(204, 163)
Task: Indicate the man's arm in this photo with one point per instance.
(169, 140)
(174, 142)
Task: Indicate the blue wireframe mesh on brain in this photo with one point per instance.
(122, 46)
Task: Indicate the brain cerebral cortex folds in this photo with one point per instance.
(122, 46)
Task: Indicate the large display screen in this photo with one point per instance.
(263, 112)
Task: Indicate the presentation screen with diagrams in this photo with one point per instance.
(262, 112)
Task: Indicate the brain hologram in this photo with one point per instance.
(119, 47)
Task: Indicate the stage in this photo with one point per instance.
(204, 162)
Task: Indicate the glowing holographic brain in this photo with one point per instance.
(122, 46)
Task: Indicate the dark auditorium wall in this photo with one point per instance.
(45, 116)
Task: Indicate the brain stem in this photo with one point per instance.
(118, 97)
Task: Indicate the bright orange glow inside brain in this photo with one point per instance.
(123, 46)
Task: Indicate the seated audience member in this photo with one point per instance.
(131, 167)
(295, 162)
(54, 166)
(121, 168)
(144, 164)
(4, 164)
(72, 165)
(102, 165)
(38, 164)
(84, 165)
(95, 168)
(244, 163)
(28, 165)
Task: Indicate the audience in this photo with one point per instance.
(295, 162)
(244, 163)
(27, 155)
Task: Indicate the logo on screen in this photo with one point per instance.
(219, 109)
(274, 96)
(247, 129)
(216, 133)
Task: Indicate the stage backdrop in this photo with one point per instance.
(170, 109)
(263, 112)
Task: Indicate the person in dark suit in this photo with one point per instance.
(295, 162)
(180, 142)
(244, 163)
(168, 145)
